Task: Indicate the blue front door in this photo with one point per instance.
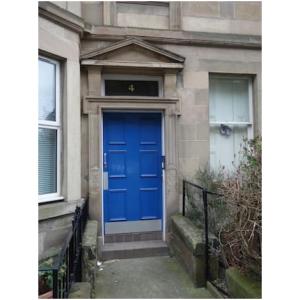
(132, 165)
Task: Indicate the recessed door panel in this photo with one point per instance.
(149, 203)
(117, 163)
(149, 163)
(117, 205)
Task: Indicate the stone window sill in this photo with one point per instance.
(57, 209)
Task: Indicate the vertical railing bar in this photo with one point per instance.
(72, 258)
(80, 243)
(63, 284)
(76, 253)
(204, 194)
(68, 271)
(54, 283)
(60, 289)
(183, 198)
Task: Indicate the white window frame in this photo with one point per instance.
(250, 129)
(57, 126)
(159, 79)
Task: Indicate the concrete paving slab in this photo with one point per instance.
(149, 277)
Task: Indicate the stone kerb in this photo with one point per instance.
(89, 254)
(186, 242)
(242, 285)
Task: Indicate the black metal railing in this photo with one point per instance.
(66, 268)
(195, 207)
(207, 210)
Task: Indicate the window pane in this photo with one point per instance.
(240, 100)
(220, 100)
(229, 100)
(47, 91)
(131, 88)
(224, 150)
(47, 161)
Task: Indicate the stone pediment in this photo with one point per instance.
(133, 50)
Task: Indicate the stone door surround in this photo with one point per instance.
(131, 56)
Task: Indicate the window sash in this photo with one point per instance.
(214, 120)
(57, 194)
(56, 125)
(225, 150)
(57, 93)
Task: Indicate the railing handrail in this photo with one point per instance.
(202, 188)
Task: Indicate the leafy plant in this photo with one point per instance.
(46, 277)
(210, 179)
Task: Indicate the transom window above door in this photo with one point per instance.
(131, 85)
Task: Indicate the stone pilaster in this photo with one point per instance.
(94, 168)
(94, 81)
(170, 88)
(109, 13)
(171, 163)
(175, 15)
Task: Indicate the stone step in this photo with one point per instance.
(134, 249)
(133, 237)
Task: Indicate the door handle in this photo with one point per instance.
(163, 162)
(104, 160)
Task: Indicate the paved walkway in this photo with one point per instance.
(150, 277)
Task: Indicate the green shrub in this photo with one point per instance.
(46, 277)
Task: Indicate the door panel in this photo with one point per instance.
(132, 150)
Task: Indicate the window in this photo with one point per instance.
(49, 130)
(143, 14)
(230, 117)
